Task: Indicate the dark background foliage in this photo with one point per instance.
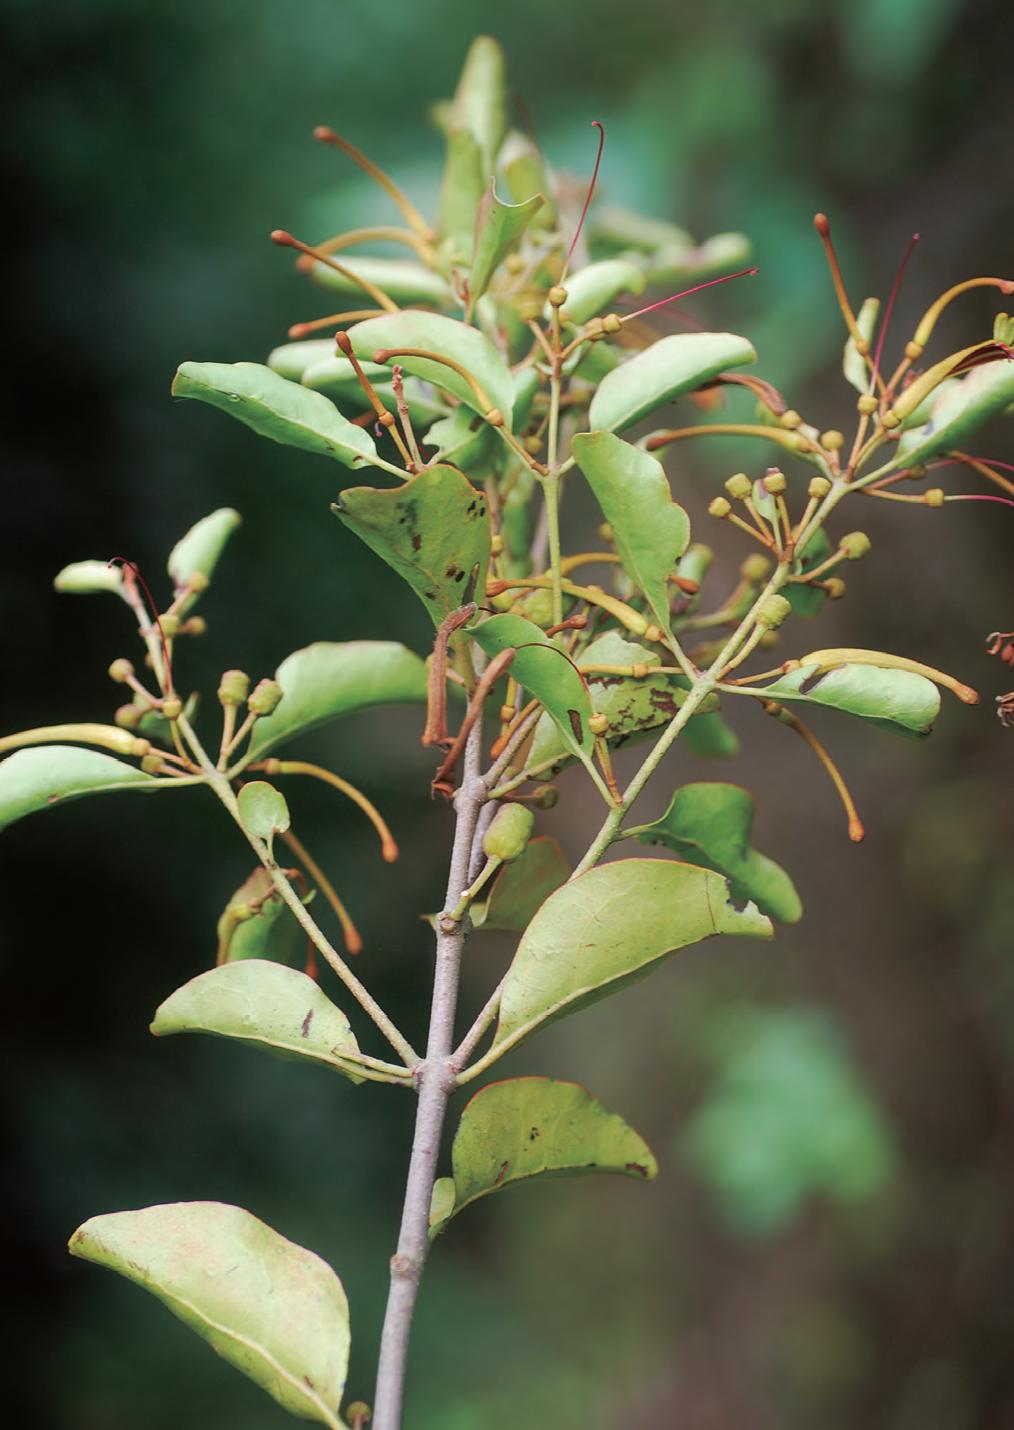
(148, 151)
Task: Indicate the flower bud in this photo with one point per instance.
(197, 582)
(832, 440)
(234, 687)
(611, 323)
(194, 626)
(557, 295)
(719, 507)
(790, 419)
(756, 569)
(773, 612)
(598, 723)
(934, 497)
(514, 263)
(172, 708)
(265, 697)
(152, 764)
(774, 481)
(169, 625)
(547, 798)
(508, 835)
(866, 403)
(496, 545)
(128, 717)
(121, 670)
(835, 588)
(818, 488)
(855, 545)
(739, 486)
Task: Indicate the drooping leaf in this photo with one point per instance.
(608, 927)
(958, 409)
(594, 289)
(329, 679)
(270, 931)
(710, 825)
(521, 886)
(651, 531)
(276, 408)
(264, 1005)
(447, 337)
(896, 700)
(263, 810)
(534, 1127)
(545, 672)
(498, 230)
(668, 368)
(270, 1308)
(434, 531)
(85, 578)
(40, 777)
(197, 553)
(853, 364)
(400, 278)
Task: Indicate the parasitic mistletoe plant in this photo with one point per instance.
(507, 357)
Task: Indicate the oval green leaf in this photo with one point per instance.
(434, 531)
(528, 1127)
(668, 368)
(609, 927)
(329, 679)
(710, 825)
(264, 1005)
(448, 338)
(263, 810)
(400, 278)
(593, 289)
(270, 931)
(270, 1308)
(522, 886)
(480, 100)
(85, 578)
(896, 700)
(46, 775)
(197, 553)
(276, 408)
(651, 531)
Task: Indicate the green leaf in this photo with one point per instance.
(317, 363)
(720, 253)
(853, 364)
(263, 810)
(329, 679)
(651, 531)
(668, 368)
(959, 409)
(400, 278)
(896, 700)
(535, 1127)
(594, 289)
(618, 229)
(522, 886)
(270, 1308)
(264, 1005)
(526, 174)
(276, 408)
(85, 578)
(40, 777)
(461, 193)
(271, 931)
(710, 825)
(450, 339)
(462, 439)
(608, 927)
(197, 553)
(434, 531)
(545, 672)
(498, 230)
(710, 736)
(480, 101)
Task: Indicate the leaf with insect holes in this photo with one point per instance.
(895, 700)
(38, 778)
(197, 553)
(521, 886)
(651, 531)
(609, 927)
(264, 1005)
(957, 410)
(263, 810)
(528, 1127)
(270, 929)
(667, 369)
(329, 679)
(594, 289)
(498, 231)
(433, 531)
(401, 279)
(270, 1308)
(447, 338)
(853, 363)
(276, 408)
(710, 825)
(547, 674)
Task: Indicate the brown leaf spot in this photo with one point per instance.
(501, 1174)
(306, 1023)
(576, 725)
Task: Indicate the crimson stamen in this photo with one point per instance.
(895, 289)
(743, 273)
(596, 124)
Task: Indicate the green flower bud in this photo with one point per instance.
(934, 497)
(152, 764)
(557, 295)
(194, 626)
(265, 697)
(790, 419)
(598, 723)
(818, 488)
(739, 486)
(866, 403)
(773, 612)
(234, 687)
(128, 717)
(121, 670)
(507, 837)
(170, 626)
(718, 506)
(547, 798)
(855, 545)
(611, 323)
(172, 708)
(832, 440)
(755, 569)
(835, 588)
(774, 481)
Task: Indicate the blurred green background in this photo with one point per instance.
(830, 1242)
